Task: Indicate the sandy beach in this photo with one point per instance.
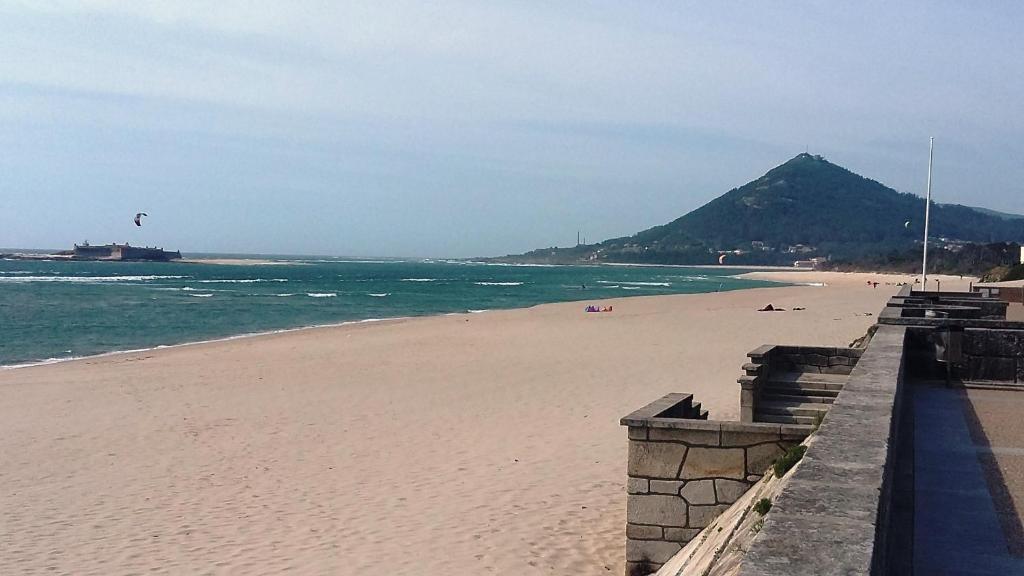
(239, 261)
(464, 444)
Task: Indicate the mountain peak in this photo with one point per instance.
(804, 207)
(807, 160)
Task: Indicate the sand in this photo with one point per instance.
(467, 444)
(239, 262)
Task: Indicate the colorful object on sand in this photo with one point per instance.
(593, 308)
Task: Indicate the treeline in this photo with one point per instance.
(969, 260)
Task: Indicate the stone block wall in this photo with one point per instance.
(989, 355)
(823, 359)
(994, 355)
(683, 473)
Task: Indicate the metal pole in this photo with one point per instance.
(927, 206)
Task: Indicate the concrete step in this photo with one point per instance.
(792, 408)
(798, 390)
(825, 381)
(699, 413)
(781, 419)
(782, 397)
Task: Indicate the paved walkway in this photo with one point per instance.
(965, 521)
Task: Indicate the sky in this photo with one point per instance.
(460, 129)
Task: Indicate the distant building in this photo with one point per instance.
(812, 263)
(87, 251)
(800, 249)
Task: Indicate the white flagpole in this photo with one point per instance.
(927, 206)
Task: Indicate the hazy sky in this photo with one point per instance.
(458, 129)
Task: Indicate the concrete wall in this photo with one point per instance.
(990, 308)
(683, 473)
(833, 516)
(989, 355)
(1004, 293)
(93, 251)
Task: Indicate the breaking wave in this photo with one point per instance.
(662, 284)
(242, 281)
(87, 279)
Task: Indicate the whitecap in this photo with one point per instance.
(201, 295)
(516, 265)
(358, 261)
(498, 283)
(663, 284)
(242, 281)
(321, 294)
(381, 295)
(419, 279)
(86, 279)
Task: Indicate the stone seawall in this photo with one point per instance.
(683, 473)
(836, 505)
(838, 513)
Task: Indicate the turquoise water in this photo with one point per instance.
(51, 310)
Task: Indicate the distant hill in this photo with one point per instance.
(807, 207)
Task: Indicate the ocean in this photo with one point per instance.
(58, 310)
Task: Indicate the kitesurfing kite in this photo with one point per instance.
(907, 224)
(721, 259)
(138, 218)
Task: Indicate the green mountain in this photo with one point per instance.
(804, 208)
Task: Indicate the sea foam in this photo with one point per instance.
(242, 280)
(86, 279)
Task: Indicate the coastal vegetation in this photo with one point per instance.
(991, 261)
(785, 462)
(763, 506)
(1004, 273)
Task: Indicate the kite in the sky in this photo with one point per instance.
(138, 218)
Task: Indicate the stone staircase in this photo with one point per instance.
(797, 397)
(678, 406)
(793, 384)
